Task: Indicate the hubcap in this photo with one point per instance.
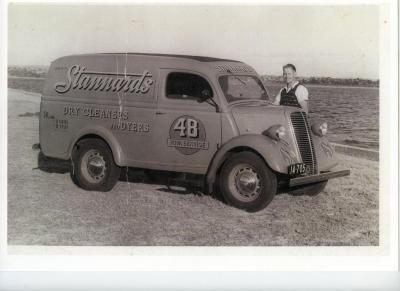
(93, 166)
(245, 183)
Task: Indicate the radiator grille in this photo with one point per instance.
(304, 140)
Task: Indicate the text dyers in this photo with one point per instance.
(80, 79)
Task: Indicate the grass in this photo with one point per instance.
(29, 85)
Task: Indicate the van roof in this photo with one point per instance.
(145, 60)
(197, 58)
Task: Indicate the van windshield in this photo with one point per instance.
(239, 87)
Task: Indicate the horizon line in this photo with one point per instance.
(264, 74)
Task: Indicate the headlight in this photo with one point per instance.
(275, 132)
(319, 128)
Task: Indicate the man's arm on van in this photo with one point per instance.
(302, 97)
(304, 105)
(277, 98)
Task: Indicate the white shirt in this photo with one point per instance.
(301, 93)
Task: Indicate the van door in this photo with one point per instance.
(188, 132)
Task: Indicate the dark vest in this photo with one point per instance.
(289, 98)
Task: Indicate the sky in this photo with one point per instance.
(330, 41)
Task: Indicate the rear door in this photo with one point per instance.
(188, 132)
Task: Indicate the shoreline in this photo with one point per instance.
(274, 83)
(358, 152)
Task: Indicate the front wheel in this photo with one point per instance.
(247, 183)
(93, 164)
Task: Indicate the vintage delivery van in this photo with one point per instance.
(184, 114)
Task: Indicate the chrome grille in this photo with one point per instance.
(304, 140)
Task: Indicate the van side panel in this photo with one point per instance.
(112, 96)
(60, 131)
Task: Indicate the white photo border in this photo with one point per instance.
(176, 259)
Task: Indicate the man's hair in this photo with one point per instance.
(290, 66)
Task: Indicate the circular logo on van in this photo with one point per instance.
(188, 135)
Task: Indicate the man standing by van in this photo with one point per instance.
(294, 94)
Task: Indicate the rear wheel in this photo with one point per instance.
(247, 183)
(94, 168)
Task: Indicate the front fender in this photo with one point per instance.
(325, 153)
(276, 154)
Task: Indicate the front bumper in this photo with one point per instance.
(317, 178)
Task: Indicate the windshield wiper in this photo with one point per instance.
(236, 77)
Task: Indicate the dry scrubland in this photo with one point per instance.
(46, 208)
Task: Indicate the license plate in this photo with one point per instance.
(297, 169)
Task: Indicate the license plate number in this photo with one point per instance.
(297, 169)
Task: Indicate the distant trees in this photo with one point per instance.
(328, 81)
(27, 71)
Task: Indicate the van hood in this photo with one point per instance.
(254, 118)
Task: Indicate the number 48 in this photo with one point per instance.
(187, 127)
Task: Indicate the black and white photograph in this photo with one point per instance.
(179, 125)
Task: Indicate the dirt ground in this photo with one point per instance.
(46, 208)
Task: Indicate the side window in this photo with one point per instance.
(187, 86)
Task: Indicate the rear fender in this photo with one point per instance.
(107, 136)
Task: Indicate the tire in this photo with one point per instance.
(93, 166)
(246, 182)
(309, 190)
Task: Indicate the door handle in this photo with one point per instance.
(160, 113)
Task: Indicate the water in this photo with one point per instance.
(352, 113)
